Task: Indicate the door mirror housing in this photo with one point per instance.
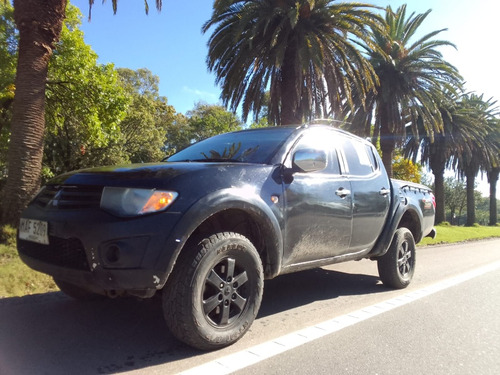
(309, 160)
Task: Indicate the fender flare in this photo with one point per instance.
(216, 202)
(400, 207)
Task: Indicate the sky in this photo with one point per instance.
(172, 46)
(170, 43)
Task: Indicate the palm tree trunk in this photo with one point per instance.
(439, 195)
(471, 204)
(39, 24)
(290, 93)
(387, 145)
(493, 178)
(437, 162)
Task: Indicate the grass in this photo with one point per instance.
(451, 234)
(16, 279)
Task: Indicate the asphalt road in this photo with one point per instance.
(453, 329)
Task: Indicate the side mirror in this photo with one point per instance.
(309, 160)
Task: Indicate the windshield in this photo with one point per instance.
(252, 146)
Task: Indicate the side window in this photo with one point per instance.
(360, 158)
(321, 141)
(371, 152)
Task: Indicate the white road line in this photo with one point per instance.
(258, 353)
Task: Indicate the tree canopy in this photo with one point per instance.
(148, 118)
(84, 104)
(299, 50)
(412, 75)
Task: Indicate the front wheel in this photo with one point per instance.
(214, 292)
(397, 266)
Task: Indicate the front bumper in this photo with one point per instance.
(102, 253)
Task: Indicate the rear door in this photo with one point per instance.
(370, 189)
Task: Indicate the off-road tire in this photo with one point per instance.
(397, 266)
(214, 292)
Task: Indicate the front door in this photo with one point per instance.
(318, 207)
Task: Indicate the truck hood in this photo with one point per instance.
(160, 175)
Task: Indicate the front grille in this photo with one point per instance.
(69, 197)
(60, 252)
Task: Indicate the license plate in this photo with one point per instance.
(34, 230)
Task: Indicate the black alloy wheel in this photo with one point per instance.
(214, 292)
(397, 266)
(225, 293)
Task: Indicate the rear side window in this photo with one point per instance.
(360, 158)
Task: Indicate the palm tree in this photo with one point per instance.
(298, 49)
(444, 149)
(481, 151)
(39, 24)
(411, 78)
(493, 174)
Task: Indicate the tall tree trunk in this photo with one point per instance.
(39, 24)
(493, 179)
(471, 203)
(290, 89)
(437, 163)
(387, 142)
(387, 145)
(439, 195)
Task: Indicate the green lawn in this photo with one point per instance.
(449, 234)
(16, 279)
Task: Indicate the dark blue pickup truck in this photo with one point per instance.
(206, 227)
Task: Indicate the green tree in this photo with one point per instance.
(202, 122)
(412, 75)
(39, 24)
(84, 105)
(493, 175)
(465, 144)
(8, 56)
(300, 50)
(405, 169)
(480, 152)
(437, 149)
(148, 118)
(178, 134)
(207, 120)
(455, 196)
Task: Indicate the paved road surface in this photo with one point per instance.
(454, 330)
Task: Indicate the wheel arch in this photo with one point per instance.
(226, 211)
(412, 222)
(403, 215)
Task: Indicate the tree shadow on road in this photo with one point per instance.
(54, 334)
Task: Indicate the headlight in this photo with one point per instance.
(133, 202)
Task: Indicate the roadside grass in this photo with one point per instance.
(16, 279)
(447, 233)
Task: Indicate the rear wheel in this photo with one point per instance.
(76, 292)
(397, 266)
(214, 292)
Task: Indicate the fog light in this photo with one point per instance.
(113, 254)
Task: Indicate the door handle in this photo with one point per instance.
(384, 191)
(342, 193)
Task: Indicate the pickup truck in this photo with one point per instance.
(204, 228)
